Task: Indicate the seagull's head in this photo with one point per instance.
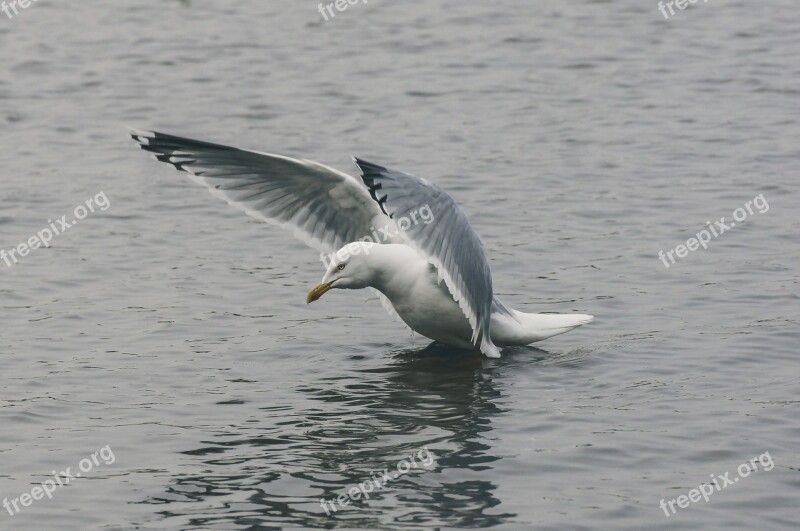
(349, 269)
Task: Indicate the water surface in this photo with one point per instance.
(580, 138)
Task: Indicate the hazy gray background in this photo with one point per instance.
(579, 137)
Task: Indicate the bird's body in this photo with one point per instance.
(390, 231)
(424, 303)
(417, 294)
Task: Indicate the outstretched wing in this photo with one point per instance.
(448, 242)
(324, 207)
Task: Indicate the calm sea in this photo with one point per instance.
(581, 138)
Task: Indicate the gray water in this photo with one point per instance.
(581, 138)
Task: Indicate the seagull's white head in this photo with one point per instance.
(350, 268)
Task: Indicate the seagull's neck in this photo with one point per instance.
(397, 268)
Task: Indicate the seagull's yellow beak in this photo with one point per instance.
(317, 292)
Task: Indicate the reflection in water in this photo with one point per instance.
(358, 424)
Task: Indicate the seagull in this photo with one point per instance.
(391, 231)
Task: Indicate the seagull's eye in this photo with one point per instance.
(340, 267)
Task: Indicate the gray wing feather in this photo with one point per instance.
(324, 207)
(448, 242)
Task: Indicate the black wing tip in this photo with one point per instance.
(163, 142)
(162, 146)
(141, 136)
(369, 167)
(174, 150)
(369, 173)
